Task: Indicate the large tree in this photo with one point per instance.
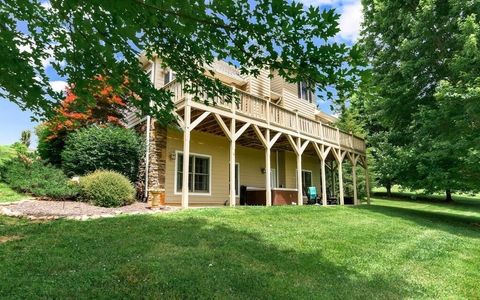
(85, 39)
(424, 89)
(72, 114)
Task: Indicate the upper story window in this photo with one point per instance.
(168, 77)
(304, 93)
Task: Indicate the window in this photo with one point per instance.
(306, 180)
(198, 173)
(168, 76)
(304, 93)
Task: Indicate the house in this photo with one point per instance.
(273, 142)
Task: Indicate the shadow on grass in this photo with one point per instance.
(174, 257)
(458, 201)
(454, 223)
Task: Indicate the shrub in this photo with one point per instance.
(50, 144)
(107, 189)
(28, 174)
(108, 148)
(7, 153)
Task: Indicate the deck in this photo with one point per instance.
(267, 114)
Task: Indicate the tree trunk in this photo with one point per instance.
(389, 190)
(448, 192)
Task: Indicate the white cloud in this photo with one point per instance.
(58, 85)
(351, 20)
(351, 15)
(46, 4)
(336, 3)
(318, 2)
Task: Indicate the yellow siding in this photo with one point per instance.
(276, 83)
(309, 163)
(259, 86)
(251, 162)
(292, 102)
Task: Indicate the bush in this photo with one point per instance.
(108, 148)
(28, 174)
(50, 144)
(107, 189)
(8, 153)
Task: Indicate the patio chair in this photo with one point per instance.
(312, 195)
(331, 199)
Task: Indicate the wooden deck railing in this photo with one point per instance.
(260, 109)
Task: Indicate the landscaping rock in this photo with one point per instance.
(51, 210)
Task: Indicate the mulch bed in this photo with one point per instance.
(41, 209)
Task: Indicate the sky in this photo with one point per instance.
(13, 120)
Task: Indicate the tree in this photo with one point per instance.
(424, 90)
(25, 137)
(107, 109)
(85, 39)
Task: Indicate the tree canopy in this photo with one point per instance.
(71, 114)
(86, 39)
(422, 100)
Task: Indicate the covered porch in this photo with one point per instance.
(288, 158)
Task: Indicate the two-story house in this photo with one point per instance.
(271, 145)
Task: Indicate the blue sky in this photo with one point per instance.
(13, 120)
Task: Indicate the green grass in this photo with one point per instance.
(9, 195)
(399, 192)
(389, 250)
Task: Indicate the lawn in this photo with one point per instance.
(388, 250)
(9, 195)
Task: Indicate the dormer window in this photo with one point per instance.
(168, 77)
(304, 93)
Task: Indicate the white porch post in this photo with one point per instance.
(354, 179)
(232, 164)
(268, 179)
(186, 155)
(324, 182)
(332, 177)
(340, 181)
(367, 181)
(299, 173)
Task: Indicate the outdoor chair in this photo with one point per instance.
(312, 195)
(331, 199)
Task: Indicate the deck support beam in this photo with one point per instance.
(339, 156)
(232, 163)
(186, 155)
(268, 179)
(354, 180)
(299, 178)
(367, 180)
(324, 183)
(340, 183)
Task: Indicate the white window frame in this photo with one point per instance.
(308, 97)
(177, 152)
(311, 175)
(303, 170)
(170, 76)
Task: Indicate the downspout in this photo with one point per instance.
(147, 152)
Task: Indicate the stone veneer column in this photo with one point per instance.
(157, 157)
